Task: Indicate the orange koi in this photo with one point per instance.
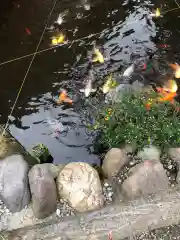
(64, 98)
(168, 97)
(176, 68)
(28, 31)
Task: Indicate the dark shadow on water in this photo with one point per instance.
(120, 28)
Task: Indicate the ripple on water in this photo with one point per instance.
(119, 28)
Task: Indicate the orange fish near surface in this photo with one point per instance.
(176, 68)
(168, 97)
(167, 93)
(63, 97)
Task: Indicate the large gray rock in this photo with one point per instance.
(146, 178)
(14, 187)
(114, 161)
(43, 190)
(79, 184)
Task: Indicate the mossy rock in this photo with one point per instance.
(41, 153)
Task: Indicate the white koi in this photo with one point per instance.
(88, 88)
(128, 72)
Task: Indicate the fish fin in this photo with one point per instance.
(95, 59)
(174, 66)
(82, 90)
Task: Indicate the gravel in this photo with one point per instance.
(108, 193)
(63, 210)
(166, 233)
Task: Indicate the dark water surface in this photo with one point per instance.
(118, 26)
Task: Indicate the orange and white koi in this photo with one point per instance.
(63, 97)
(176, 68)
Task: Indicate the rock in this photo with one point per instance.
(79, 184)
(114, 161)
(43, 190)
(147, 178)
(53, 169)
(150, 153)
(174, 154)
(14, 187)
(41, 153)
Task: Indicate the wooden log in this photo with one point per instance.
(124, 220)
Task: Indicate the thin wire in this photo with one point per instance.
(19, 92)
(177, 3)
(170, 10)
(46, 49)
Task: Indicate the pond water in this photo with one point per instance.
(119, 27)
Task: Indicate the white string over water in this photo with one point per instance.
(48, 49)
(24, 79)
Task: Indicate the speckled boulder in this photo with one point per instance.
(146, 178)
(79, 184)
(114, 162)
(43, 190)
(14, 187)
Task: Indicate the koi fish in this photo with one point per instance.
(58, 40)
(88, 88)
(168, 97)
(86, 4)
(60, 20)
(168, 93)
(176, 68)
(64, 98)
(56, 125)
(128, 72)
(163, 45)
(169, 86)
(28, 31)
(156, 13)
(98, 56)
(109, 84)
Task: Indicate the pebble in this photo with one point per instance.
(170, 166)
(58, 212)
(106, 184)
(63, 209)
(107, 192)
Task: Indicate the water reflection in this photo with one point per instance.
(122, 29)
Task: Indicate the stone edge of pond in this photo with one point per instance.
(123, 220)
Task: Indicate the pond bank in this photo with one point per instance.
(136, 187)
(124, 220)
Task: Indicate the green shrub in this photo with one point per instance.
(131, 122)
